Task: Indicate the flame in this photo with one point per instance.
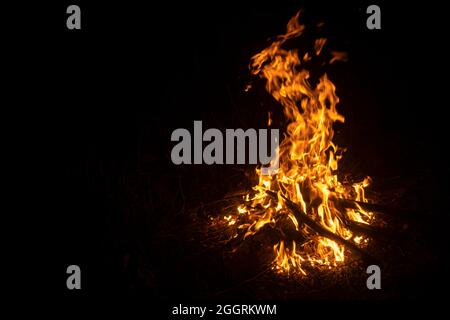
(308, 159)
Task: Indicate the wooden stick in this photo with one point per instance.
(374, 207)
(301, 216)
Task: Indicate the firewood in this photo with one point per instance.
(373, 207)
(303, 217)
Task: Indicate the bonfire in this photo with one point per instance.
(321, 220)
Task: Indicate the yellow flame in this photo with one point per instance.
(308, 159)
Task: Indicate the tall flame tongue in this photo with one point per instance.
(308, 161)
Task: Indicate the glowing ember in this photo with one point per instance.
(307, 174)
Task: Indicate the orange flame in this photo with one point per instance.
(308, 158)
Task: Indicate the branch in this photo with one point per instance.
(301, 216)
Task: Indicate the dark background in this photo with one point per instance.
(104, 101)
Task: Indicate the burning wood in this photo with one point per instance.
(326, 215)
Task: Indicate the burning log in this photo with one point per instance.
(301, 216)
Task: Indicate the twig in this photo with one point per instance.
(375, 207)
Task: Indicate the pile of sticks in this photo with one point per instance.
(375, 232)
